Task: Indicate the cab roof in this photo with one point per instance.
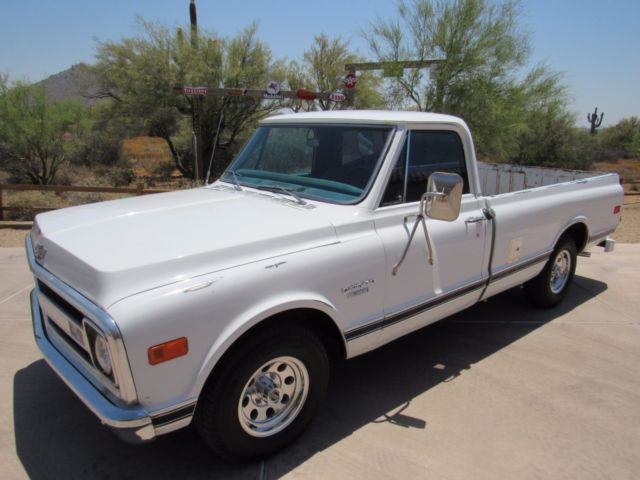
(388, 117)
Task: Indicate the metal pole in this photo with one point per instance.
(213, 150)
(196, 176)
(197, 133)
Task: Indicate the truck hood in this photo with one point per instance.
(111, 250)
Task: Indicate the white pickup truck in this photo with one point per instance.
(331, 234)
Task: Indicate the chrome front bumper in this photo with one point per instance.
(131, 423)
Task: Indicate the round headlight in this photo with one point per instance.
(102, 355)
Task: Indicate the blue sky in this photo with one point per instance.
(594, 43)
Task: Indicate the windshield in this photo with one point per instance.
(335, 163)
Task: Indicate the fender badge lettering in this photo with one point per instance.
(358, 288)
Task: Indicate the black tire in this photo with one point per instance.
(224, 423)
(550, 287)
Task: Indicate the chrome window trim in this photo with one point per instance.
(100, 318)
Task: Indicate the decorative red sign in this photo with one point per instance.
(350, 80)
(304, 94)
(195, 90)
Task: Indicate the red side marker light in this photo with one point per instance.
(168, 350)
(616, 209)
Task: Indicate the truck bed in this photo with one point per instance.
(496, 179)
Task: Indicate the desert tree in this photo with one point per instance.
(139, 75)
(481, 77)
(324, 64)
(37, 136)
(621, 140)
(479, 41)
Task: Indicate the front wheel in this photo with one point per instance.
(551, 285)
(264, 395)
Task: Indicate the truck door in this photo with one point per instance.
(421, 293)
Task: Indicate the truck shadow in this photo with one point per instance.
(57, 437)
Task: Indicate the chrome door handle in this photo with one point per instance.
(477, 219)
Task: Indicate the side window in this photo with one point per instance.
(429, 151)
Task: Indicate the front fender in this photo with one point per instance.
(254, 315)
(213, 311)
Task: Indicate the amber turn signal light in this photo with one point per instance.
(168, 350)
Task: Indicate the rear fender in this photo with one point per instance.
(577, 222)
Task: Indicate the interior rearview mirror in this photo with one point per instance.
(443, 196)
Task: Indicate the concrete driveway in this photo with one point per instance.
(499, 391)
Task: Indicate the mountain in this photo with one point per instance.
(75, 83)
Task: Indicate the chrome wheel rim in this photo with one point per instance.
(273, 396)
(560, 271)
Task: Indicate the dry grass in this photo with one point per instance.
(629, 229)
(147, 155)
(628, 169)
(53, 200)
(10, 237)
(102, 177)
(48, 200)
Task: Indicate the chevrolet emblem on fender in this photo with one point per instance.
(40, 252)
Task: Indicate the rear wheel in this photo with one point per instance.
(264, 395)
(551, 285)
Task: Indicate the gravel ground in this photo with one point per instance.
(627, 232)
(629, 229)
(10, 237)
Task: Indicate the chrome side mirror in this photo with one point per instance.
(441, 201)
(443, 197)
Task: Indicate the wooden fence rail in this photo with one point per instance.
(137, 190)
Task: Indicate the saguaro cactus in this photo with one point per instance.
(180, 37)
(193, 17)
(595, 122)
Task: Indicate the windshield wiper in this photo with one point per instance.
(279, 189)
(236, 182)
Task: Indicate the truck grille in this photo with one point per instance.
(71, 332)
(60, 302)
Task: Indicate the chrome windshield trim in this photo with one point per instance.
(99, 317)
